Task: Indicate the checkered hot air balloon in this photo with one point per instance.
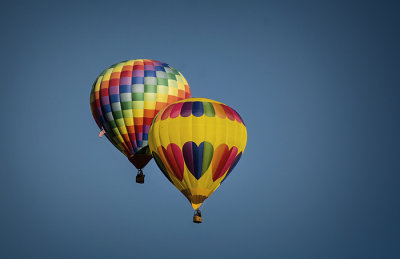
(127, 96)
(196, 143)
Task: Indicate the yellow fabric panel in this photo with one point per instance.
(123, 130)
(174, 85)
(98, 83)
(162, 98)
(137, 113)
(181, 86)
(118, 67)
(107, 75)
(186, 83)
(149, 105)
(128, 117)
(129, 62)
(194, 129)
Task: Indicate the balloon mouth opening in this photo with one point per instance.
(196, 196)
(140, 160)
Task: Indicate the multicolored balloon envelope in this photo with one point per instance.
(125, 98)
(196, 143)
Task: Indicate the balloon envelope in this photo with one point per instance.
(196, 143)
(125, 98)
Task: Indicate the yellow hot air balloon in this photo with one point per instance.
(196, 143)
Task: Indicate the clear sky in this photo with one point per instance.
(317, 83)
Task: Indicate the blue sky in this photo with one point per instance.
(317, 83)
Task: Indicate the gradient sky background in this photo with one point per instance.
(317, 83)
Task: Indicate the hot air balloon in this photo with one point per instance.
(196, 143)
(125, 98)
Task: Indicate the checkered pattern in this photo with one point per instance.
(128, 95)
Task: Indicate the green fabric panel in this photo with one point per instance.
(162, 81)
(126, 105)
(176, 72)
(208, 153)
(137, 96)
(112, 124)
(209, 109)
(150, 88)
(118, 115)
(171, 76)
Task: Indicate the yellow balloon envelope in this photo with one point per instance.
(196, 143)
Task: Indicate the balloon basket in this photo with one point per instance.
(197, 219)
(140, 177)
